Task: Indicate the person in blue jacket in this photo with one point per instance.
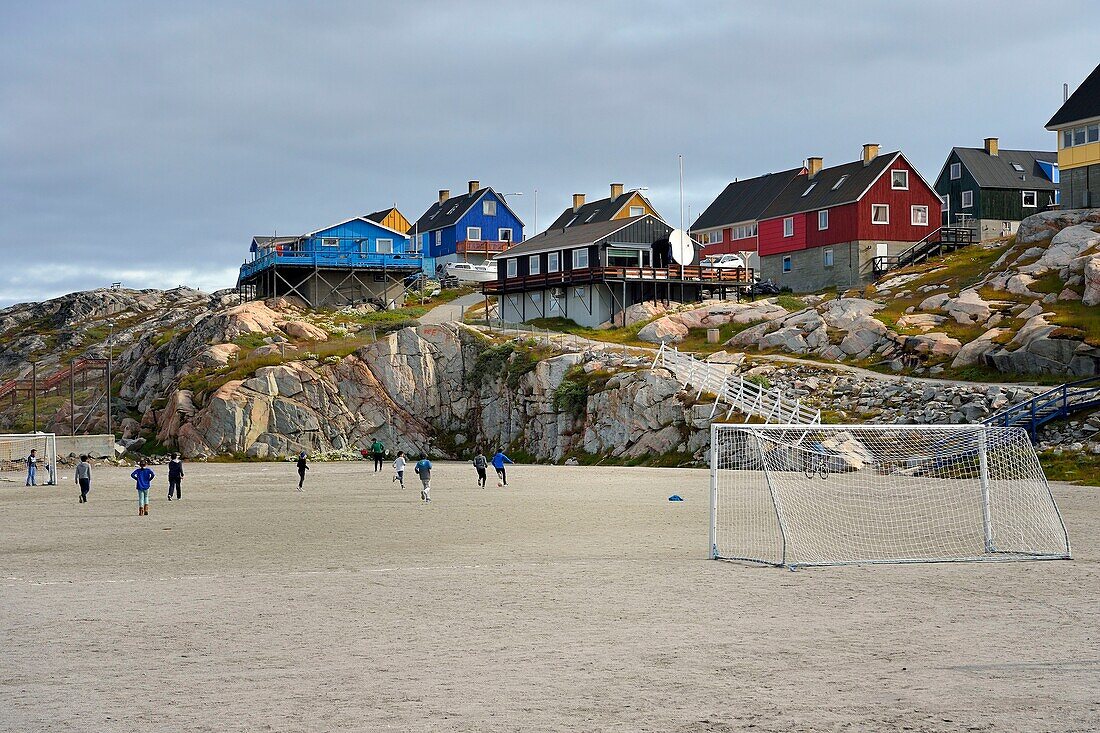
(144, 477)
(498, 463)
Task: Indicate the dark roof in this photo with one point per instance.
(996, 171)
(450, 211)
(592, 212)
(745, 200)
(826, 192)
(578, 235)
(261, 241)
(380, 216)
(1083, 104)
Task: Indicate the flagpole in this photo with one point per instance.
(681, 157)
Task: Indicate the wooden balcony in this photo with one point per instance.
(481, 247)
(690, 275)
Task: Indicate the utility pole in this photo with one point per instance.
(72, 401)
(110, 355)
(34, 396)
(681, 157)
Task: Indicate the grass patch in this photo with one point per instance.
(790, 302)
(1048, 283)
(1078, 468)
(572, 394)
(626, 336)
(385, 321)
(250, 341)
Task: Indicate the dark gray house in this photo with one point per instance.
(992, 190)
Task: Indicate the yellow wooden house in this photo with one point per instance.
(1077, 124)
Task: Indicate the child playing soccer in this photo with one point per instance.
(480, 463)
(423, 469)
(399, 469)
(144, 477)
(498, 463)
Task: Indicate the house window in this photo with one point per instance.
(823, 219)
(827, 257)
(1094, 133)
(637, 210)
(533, 265)
(956, 171)
(880, 213)
(1079, 136)
(788, 226)
(511, 268)
(580, 258)
(716, 237)
(840, 181)
(504, 235)
(787, 263)
(809, 188)
(1067, 138)
(384, 246)
(744, 231)
(967, 199)
(489, 207)
(473, 234)
(330, 241)
(918, 216)
(899, 180)
(945, 202)
(438, 237)
(552, 262)
(1017, 167)
(1030, 199)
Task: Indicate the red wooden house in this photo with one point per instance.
(828, 227)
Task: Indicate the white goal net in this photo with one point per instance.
(15, 451)
(797, 495)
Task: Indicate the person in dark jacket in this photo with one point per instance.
(302, 468)
(175, 476)
(83, 477)
(481, 463)
(378, 451)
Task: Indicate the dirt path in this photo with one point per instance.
(450, 311)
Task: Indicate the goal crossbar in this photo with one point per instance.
(802, 495)
(15, 448)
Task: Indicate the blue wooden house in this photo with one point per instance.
(355, 261)
(470, 228)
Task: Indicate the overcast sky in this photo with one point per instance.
(147, 142)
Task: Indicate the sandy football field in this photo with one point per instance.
(576, 599)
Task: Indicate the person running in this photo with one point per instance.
(481, 463)
(423, 469)
(378, 451)
(175, 476)
(302, 468)
(144, 477)
(84, 478)
(399, 469)
(32, 468)
(498, 463)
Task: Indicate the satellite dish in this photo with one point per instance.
(683, 249)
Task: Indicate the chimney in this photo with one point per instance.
(992, 145)
(870, 152)
(578, 201)
(616, 190)
(444, 194)
(474, 186)
(814, 165)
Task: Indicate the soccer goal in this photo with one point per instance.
(14, 450)
(799, 495)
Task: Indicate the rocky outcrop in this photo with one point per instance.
(674, 327)
(1044, 226)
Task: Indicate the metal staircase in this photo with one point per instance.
(939, 241)
(1062, 401)
(748, 398)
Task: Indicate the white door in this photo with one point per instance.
(882, 249)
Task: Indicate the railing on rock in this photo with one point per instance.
(937, 242)
(1061, 401)
(748, 398)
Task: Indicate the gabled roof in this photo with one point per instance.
(579, 235)
(997, 171)
(826, 193)
(451, 211)
(745, 200)
(262, 241)
(315, 232)
(596, 211)
(1083, 104)
(380, 216)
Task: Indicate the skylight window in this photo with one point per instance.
(1017, 167)
(840, 181)
(811, 188)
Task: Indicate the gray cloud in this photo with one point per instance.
(148, 142)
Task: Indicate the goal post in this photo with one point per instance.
(802, 495)
(15, 449)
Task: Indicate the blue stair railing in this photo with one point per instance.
(1054, 404)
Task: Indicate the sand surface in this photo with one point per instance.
(576, 599)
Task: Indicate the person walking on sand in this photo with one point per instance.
(378, 451)
(498, 463)
(302, 468)
(32, 468)
(175, 477)
(423, 469)
(83, 477)
(144, 477)
(399, 469)
(481, 463)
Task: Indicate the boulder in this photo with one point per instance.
(788, 339)
(1091, 273)
(922, 321)
(305, 331)
(1031, 311)
(663, 330)
(933, 344)
(972, 352)
(847, 313)
(968, 307)
(934, 302)
(637, 313)
(1065, 247)
(1045, 225)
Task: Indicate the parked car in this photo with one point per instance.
(722, 262)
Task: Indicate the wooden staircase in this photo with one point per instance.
(940, 241)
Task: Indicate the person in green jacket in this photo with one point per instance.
(378, 451)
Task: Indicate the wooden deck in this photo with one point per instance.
(689, 275)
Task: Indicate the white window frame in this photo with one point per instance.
(1067, 138)
(787, 266)
(716, 237)
(827, 257)
(966, 200)
(809, 188)
(1083, 137)
(1034, 199)
(504, 234)
(553, 262)
(330, 241)
(383, 246)
(470, 236)
(534, 265)
(438, 237)
(905, 174)
(914, 211)
(788, 226)
(639, 209)
(840, 182)
(1092, 135)
(822, 220)
(577, 265)
(885, 208)
(489, 207)
(945, 203)
(510, 267)
(956, 171)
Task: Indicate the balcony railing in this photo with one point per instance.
(332, 259)
(731, 276)
(479, 246)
